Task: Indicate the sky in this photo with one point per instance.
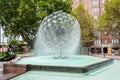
(5, 39)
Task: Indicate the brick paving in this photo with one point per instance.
(7, 76)
(1, 68)
(19, 55)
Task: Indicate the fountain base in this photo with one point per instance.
(78, 63)
(83, 69)
(74, 64)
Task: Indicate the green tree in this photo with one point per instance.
(86, 23)
(111, 17)
(103, 22)
(22, 17)
(112, 8)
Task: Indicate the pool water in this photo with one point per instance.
(111, 72)
(72, 61)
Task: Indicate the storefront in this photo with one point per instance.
(106, 49)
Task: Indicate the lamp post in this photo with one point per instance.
(102, 44)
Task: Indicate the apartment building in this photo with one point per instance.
(106, 40)
(95, 7)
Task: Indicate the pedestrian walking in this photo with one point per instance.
(113, 53)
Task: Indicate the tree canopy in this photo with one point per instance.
(86, 22)
(111, 17)
(22, 17)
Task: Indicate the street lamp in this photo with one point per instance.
(102, 47)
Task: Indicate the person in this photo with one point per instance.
(104, 55)
(113, 53)
(89, 51)
(10, 51)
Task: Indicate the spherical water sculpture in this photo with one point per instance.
(58, 34)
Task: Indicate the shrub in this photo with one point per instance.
(2, 54)
(19, 52)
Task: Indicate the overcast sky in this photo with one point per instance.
(5, 39)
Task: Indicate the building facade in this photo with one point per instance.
(76, 3)
(106, 40)
(95, 7)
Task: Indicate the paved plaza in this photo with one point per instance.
(108, 56)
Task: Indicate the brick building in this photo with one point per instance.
(106, 40)
(75, 3)
(95, 7)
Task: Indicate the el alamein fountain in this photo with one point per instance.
(58, 34)
(57, 48)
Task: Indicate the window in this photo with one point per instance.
(94, 2)
(117, 33)
(105, 32)
(95, 9)
(115, 41)
(103, 9)
(97, 42)
(95, 17)
(97, 33)
(105, 41)
(94, 42)
(103, 1)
